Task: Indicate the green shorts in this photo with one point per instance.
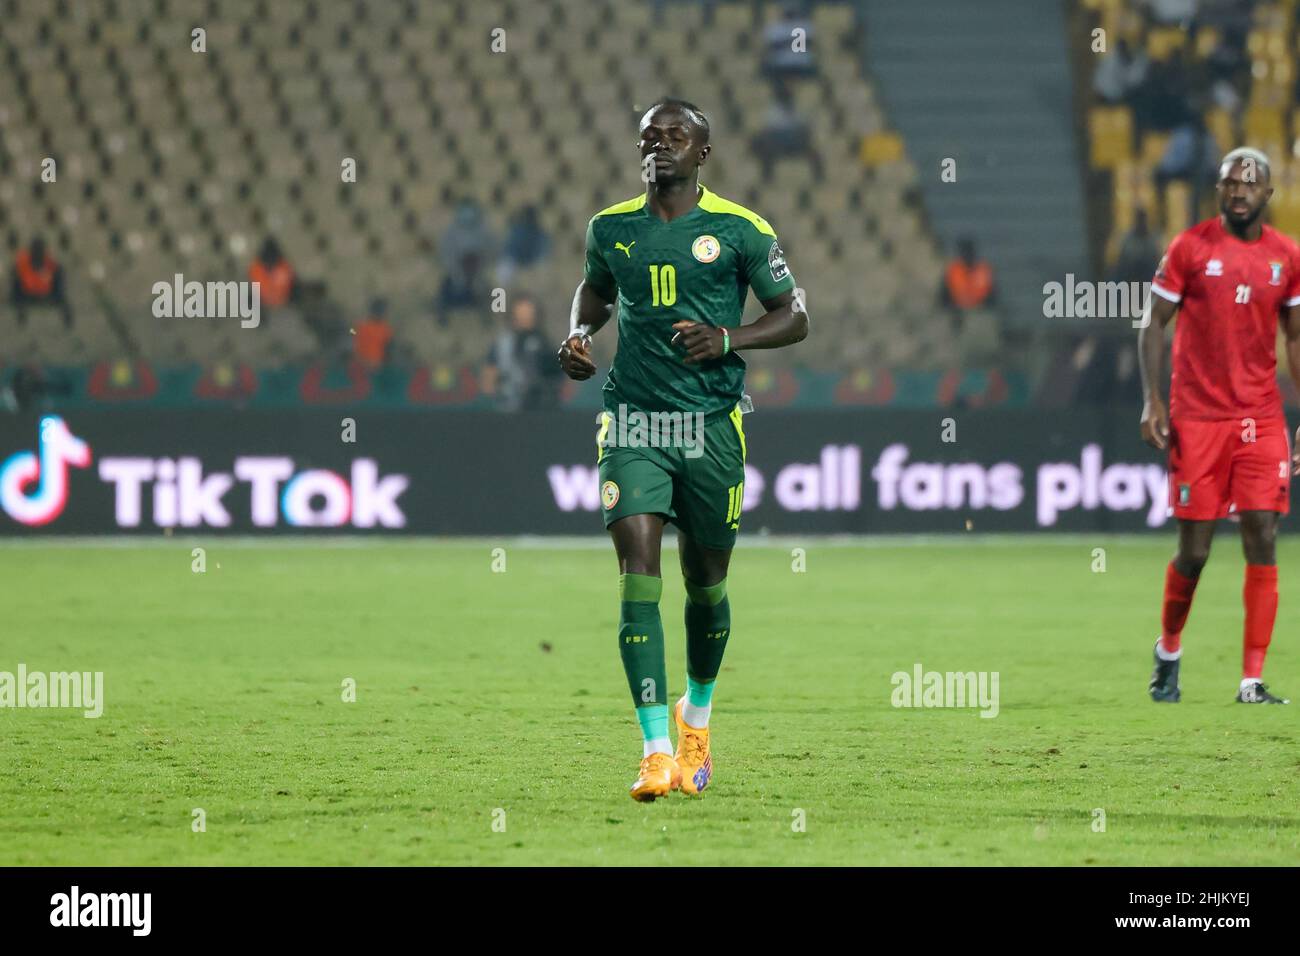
(691, 470)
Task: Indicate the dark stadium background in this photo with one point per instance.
(878, 137)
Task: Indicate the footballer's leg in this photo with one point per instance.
(1181, 577)
(1259, 599)
(708, 626)
(636, 489)
(641, 646)
(1261, 483)
(1200, 465)
(708, 503)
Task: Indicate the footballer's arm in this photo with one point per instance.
(588, 315)
(1151, 354)
(784, 323)
(1291, 327)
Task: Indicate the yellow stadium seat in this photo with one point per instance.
(1265, 125)
(1285, 215)
(1284, 208)
(1206, 40)
(1177, 197)
(1163, 41)
(880, 149)
(1222, 127)
(1153, 147)
(1110, 135)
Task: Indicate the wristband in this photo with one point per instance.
(579, 333)
(726, 340)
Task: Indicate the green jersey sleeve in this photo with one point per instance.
(765, 265)
(596, 272)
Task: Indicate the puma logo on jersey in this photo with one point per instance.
(627, 250)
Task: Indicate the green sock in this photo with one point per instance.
(708, 625)
(699, 693)
(653, 719)
(641, 645)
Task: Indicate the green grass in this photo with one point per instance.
(223, 692)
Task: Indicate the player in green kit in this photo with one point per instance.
(679, 262)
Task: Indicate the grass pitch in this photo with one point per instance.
(492, 722)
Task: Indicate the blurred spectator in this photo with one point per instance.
(1228, 68)
(271, 270)
(787, 52)
(1167, 99)
(1191, 156)
(520, 370)
(38, 280)
(968, 280)
(1138, 252)
(1120, 74)
(374, 336)
(526, 244)
(323, 316)
(466, 249)
(784, 134)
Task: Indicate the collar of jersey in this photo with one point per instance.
(699, 207)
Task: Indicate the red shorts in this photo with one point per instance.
(1220, 466)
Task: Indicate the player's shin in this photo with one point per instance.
(641, 645)
(708, 625)
(1259, 595)
(1173, 614)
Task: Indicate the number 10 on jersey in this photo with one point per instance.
(663, 285)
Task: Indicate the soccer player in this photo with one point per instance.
(1231, 280)
(679, 261)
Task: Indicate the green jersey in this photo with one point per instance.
(700, 267)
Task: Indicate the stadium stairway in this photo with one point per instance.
(989, 85)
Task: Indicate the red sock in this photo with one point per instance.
(1173, 615)
(1259, 594)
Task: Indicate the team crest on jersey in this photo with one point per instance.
(609, 495)
(1214, 267)
(776, 262)
(706, 249)
(1277, 273)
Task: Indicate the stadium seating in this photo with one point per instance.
(1267, 119)
(170, 160)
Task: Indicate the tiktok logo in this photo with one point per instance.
(48, 469)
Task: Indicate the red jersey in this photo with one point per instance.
(1230, 294)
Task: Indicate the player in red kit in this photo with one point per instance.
(1230, 280)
